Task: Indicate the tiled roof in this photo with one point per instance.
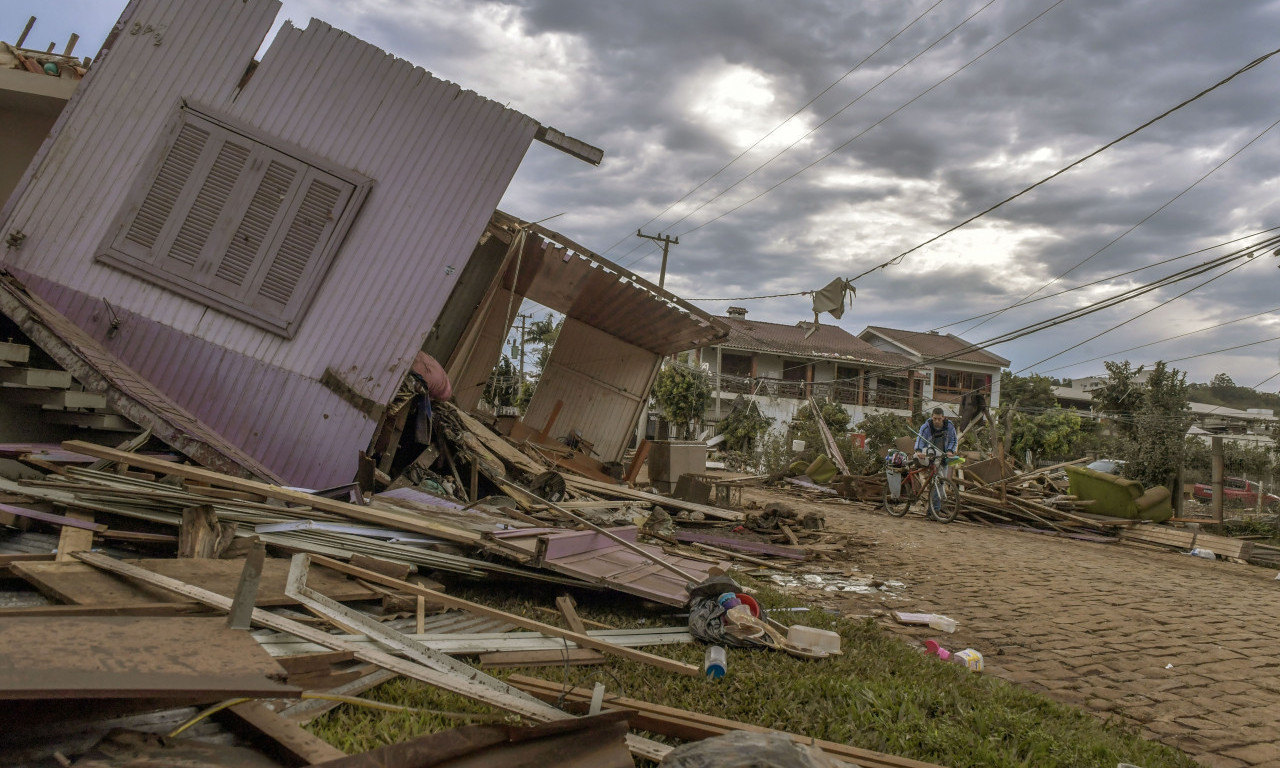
(937, 345)
(829, 341)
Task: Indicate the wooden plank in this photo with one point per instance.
(184, 608)
(586, 641)
(73, 521)
(57, 398)
(110, 422)
(568, 610)
(448, 681)
(80, 584)
(1224, 546)
(598, 488)
(695, 725)
(279, 737)
(574, 657)
(364, 514)
(202, 535)
(35, 377)
(637, 461)
(314, 662)
(73, 539)
(729, 542)
(14, 353)
(132, 657)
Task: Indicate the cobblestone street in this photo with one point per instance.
(1186, 649)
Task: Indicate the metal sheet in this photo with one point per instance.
(440, 158)
(598, 559)
(602, 383)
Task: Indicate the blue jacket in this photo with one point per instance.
(925, 436)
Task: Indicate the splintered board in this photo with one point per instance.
(80, 584)
(130, 657)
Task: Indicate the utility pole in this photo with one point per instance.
(667, 242)
(520, 386)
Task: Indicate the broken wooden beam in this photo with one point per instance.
(586, 641)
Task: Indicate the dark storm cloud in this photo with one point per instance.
(652, 84)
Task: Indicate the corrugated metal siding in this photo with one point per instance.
(602, 382)
(440, 158)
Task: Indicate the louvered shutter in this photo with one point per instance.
(175, 175)
(264, 213)
(202, 219)
(234, 222)
(297, 255)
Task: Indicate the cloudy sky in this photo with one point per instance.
(787, 144)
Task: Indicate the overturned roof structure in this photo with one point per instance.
(618, 327)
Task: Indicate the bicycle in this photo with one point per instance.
(943, 497)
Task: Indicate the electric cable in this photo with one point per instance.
(777, 127)
(1122, 235)
(839, 112)
(1135, 317)
(871, 127)
(1161, 341)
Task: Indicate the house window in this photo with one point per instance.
(949, 384)
(236, 221)
(735, 365)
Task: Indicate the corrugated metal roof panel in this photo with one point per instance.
(601, 383)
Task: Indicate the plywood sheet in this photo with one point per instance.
(131, 657)
(81, 584)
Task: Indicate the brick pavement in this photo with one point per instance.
(1184, 648)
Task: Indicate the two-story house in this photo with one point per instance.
(780, 366)
(948, 366)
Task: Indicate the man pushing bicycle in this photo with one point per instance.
(939, 433)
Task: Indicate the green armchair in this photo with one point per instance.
(1116, 496)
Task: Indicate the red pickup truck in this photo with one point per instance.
(1236, 491)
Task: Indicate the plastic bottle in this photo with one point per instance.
(713, 663)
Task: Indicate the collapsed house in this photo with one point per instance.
(269, 244)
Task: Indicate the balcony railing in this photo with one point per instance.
(845, 394)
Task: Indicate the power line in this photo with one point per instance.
(1082, 286)
(1145, 219)
(898, 259)
(839, 112)
(877, 123)
(1110, 277)
(777, 127)
(1161, 341)
(1135, 317)
(1256, 62)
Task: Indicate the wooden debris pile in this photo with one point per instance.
(1036, 499)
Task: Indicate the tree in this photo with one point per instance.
(682, 394)
(743, 426)
(882, 429)
(503, 386)
(1119, 397)
(1156, 441)
(1051, 434)
(542, 335)
(1027, 392)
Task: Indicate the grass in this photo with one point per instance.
(881, 694)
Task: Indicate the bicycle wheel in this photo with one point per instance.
(899, 506)
(946, 498)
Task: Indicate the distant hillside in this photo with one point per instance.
(1223, 391)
